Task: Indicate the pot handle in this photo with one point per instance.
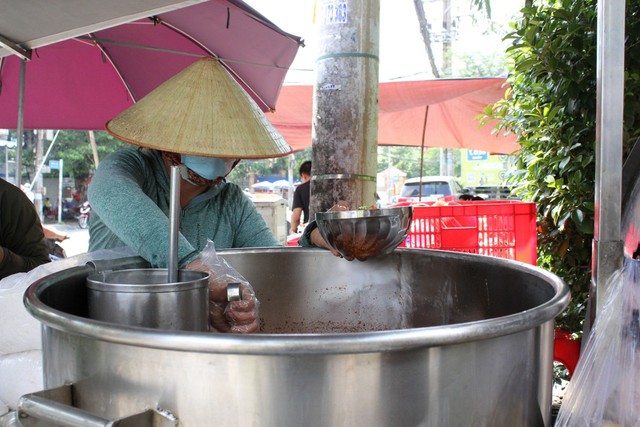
(54, 406)
(100, 265)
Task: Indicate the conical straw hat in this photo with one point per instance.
(201, 111)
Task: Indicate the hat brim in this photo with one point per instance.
(200, 111)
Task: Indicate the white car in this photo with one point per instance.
(433, 188)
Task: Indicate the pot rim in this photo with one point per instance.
(187, 280)
(297, 344)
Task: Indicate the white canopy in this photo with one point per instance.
(26, 25)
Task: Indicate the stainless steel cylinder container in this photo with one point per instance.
(142, 297)
(415, 338)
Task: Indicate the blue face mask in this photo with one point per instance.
(209, 168)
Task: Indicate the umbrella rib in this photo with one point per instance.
(135, 45)
(115, 68)
(222, 60)
(230, 70)
(178, 52)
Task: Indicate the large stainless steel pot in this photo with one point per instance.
(429, 338)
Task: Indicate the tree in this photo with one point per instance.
(484, 6)
(407, 159)
(426, 36)
(75, 150)
(551, 107)
(267, 167)
(29, 139)
(483, 64)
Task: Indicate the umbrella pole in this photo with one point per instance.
(174, 226)
(424, 132)
(20, 130)
(292, 159)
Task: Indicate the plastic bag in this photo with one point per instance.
(20, 332)
(605, 389)
(240, 316)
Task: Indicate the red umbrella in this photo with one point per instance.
(82, 82)
(449, 106)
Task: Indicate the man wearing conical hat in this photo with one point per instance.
(203, 122)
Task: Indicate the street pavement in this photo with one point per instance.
(78, 241)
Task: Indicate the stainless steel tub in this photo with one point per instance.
(429, 338)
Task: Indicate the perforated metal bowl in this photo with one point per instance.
(366, 233)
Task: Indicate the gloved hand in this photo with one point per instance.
(237, 316)
(316, 238)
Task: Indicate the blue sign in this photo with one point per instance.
(335, 12)
(54, 164)
(477, 155)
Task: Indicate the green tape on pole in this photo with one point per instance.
(348, 55)
(343, 176)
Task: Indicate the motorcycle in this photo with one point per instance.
(56, 251)
(85, 212)
(53, 239)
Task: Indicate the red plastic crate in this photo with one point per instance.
(292, 239)
(501, 228)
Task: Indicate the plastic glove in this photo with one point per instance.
(316, 238)
(224, 316)
(241, 316)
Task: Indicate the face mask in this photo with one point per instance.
(209, 168)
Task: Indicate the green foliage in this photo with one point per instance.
(483, 6)
(71, 146)
(552, 109)
(482, 64)
(407, 159)
(268, 167)
(75, 149)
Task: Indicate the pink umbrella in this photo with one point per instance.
(83, 82)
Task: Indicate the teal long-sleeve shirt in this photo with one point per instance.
(130, 197)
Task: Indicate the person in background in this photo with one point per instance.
(300, 207)
(22, 243)
(47, 209)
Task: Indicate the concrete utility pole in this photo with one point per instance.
(345, 107)
(38, 187)
(447, 36)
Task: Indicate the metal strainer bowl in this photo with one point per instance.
(364, 233)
